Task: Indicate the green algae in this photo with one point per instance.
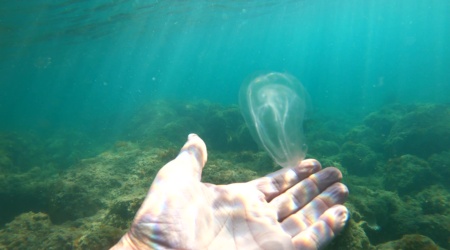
(90, 200)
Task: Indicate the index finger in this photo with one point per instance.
(278, 182)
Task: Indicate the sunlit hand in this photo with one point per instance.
(293, 208)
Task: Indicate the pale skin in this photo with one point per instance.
(294, 208)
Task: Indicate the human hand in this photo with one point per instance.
(293, 208)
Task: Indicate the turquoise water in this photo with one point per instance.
(96, 93)
(66, 62)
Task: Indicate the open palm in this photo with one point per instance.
(293, 208)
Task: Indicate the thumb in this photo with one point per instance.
(189, 163)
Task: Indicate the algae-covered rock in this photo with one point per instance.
(423, 131)
(36, 231)
(386, 216)
(352, 237)
(24, 229)
(23, 192)
(224, 171)
(122, 211)
(97, 236)
(32, 231)
(409, 242)
(374, 211)
(323, 127)
(323, 148)
(163, 123)
(437, 227)
(70, 201)
(225, 130)
(440, 165)
(359, 159)
(434, 200)
(19, 152)
(151, 125)
(66, 147)
(90, 204)
(420, 129)
(384, 119)
(407, 174)
(366, 136)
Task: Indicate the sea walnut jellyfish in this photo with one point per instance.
(274, 107)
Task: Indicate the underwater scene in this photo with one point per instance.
(96, 96)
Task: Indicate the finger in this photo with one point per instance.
(278, 182)
(324, 230)
(301, 194)
(310, 214)
(188, 164)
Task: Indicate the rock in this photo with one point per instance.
(423, 131)
(367, 136)
(123, 210)
(32, 231)
(359, 159)
(383, 120)
(352, 237)
(440, 165)
(374, 212)
(434, 200)
(167, 124)
(409, 242)
(407, 174)
(323, 148)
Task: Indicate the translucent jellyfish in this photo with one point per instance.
(274, 106)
